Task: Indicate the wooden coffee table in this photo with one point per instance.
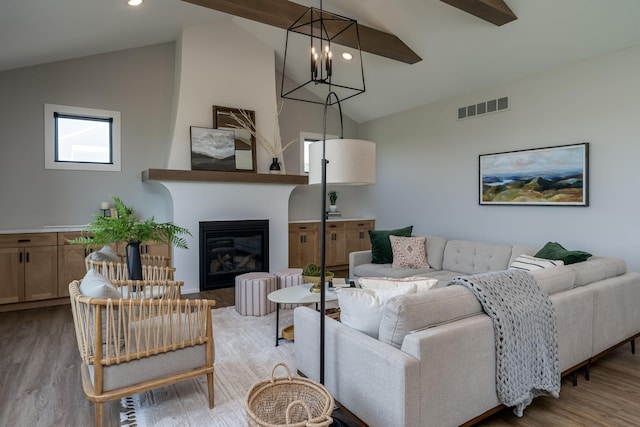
(297, 295)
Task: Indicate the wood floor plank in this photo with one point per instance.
(41, 385)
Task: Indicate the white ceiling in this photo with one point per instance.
(461, 53)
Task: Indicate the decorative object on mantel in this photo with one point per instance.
(125, 227)
(244, 120)
(245, 142)
(212, 149)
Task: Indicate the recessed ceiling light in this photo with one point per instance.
(347, 56)
(134, 2)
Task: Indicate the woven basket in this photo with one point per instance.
(288, 402)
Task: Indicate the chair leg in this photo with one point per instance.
(633, 346)
(210, 385)
(587, 371)
(574, 377)
(98, 409)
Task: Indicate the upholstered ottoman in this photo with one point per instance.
(251, 293)
(289, 277)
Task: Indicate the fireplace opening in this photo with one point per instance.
(231, 248)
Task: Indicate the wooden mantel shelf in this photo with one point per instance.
(214, 176)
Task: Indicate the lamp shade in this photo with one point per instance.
(350, 162)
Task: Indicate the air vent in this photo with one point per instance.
(482, 108)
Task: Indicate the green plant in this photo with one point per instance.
(333, 197)
(126, 227)
(312, 270)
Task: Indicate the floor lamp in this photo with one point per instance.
(351, 162)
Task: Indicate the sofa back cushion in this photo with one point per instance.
(435, 251)
(413, 312)
(469, 257)
(517, 250)
(555, 279)
(598, 268)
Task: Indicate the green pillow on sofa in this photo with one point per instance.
(381, 245)
(554, 250)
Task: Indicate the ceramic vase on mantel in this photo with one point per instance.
(275, 166)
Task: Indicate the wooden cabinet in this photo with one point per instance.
(71, 260)
(304, 244)
(336, 244)
(342, 237)
(147, 248)
(28, 267)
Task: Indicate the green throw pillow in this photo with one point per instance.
(381, 245)
(554, 250)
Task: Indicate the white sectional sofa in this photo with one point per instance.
(434, 361)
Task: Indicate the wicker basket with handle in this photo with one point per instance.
(288, 402)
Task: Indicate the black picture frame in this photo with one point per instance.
(548, 176)
(245, 152)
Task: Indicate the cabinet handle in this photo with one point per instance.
(332, 226)
(20, 257)
(27, 256)
(24, 240)
(361, 225)
(302, 228)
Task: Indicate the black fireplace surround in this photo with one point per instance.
(231, 248)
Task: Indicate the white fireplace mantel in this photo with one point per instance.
(196, 197)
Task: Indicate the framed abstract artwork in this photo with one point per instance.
(212, 149)
(550, 176)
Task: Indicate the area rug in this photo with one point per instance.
(245, 352)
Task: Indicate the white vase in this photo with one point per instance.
(333, 208)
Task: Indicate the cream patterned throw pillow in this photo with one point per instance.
(409, 252)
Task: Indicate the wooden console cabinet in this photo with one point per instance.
(28, 267)
(342, 237)
(36, 268)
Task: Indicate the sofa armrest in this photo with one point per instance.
(357, 258)
(378, 383)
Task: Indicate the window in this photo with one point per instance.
(307, 139)
(79, 138)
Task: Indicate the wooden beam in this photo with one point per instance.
(495, 11)
(282, 13)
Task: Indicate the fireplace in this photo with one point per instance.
(230, 248)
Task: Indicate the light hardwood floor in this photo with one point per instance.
(40, 380)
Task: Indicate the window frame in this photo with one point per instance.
(52, 111)
(304, 136)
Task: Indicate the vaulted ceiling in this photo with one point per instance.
(459, 51)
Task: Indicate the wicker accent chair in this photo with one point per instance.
(153, 268)
(132, 345)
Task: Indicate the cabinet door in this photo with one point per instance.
(40, 273)
(71, 266)
(156, 249)
(11, 275)
(358, 236)
(303, 244)
(336, 241)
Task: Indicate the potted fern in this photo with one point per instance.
(124, 226)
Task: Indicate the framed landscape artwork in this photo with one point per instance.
(212, 149)
(245, 143)
(551, 176)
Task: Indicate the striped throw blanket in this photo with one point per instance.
(524, 325)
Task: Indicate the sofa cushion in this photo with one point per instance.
(381, 245)
(517, 250)
(106, 253)
(374, 283)
(554, 280)
(469, 257)
(598, 268)
(435, 251)
(408, 252)
(531, 263)
(361, 309)
(385, 270)
(554, 250)
(409, 313)
(95, 285)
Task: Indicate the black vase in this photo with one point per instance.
(134, 263)
(275, 166)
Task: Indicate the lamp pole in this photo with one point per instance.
(323, 223)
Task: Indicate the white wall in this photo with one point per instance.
(136, 82)
(428, 160)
